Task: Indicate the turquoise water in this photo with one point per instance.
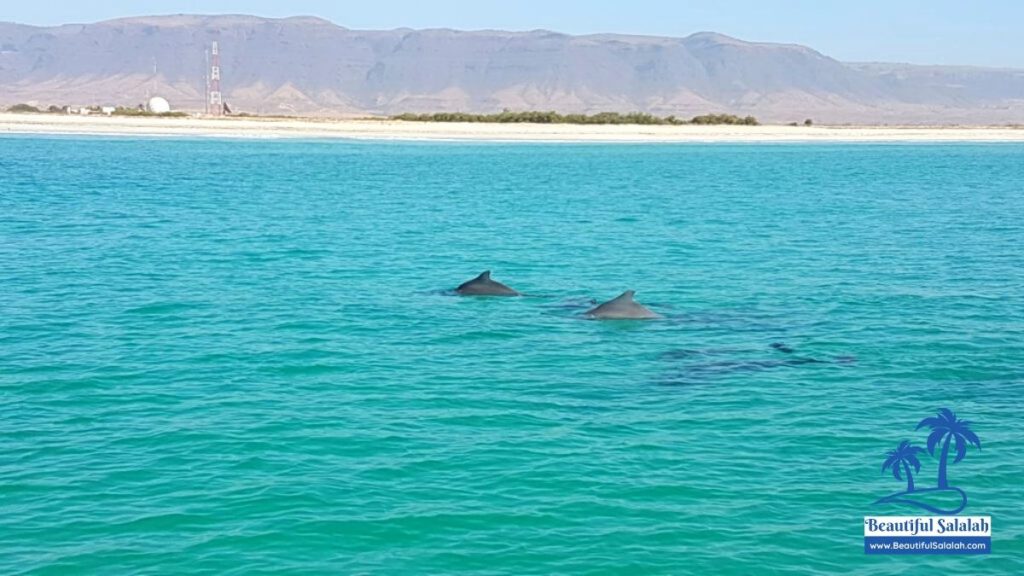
(238, 357)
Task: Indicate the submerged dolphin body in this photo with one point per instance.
(622, 307)
(482, 285)
(695, 370)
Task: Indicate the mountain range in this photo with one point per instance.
(309, 66)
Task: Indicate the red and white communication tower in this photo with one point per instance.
(214, 100)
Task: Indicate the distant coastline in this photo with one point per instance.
(311, 66)
(386, 129)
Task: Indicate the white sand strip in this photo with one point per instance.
(393, 130)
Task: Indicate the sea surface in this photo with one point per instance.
(243, 357)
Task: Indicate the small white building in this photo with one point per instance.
(108, 110)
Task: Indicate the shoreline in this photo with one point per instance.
(372, 129)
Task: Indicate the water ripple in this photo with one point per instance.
(241, 358)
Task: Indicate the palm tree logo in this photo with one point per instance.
(949, 432)
(902, 459)
(947, 429)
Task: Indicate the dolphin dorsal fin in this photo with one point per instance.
(626, 296)
(485, 275)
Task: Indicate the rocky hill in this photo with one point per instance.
(306, 65)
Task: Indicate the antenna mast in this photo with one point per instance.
(214, 100)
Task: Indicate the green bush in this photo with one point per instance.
(551, 117)
(725, 119)
(122, 111)
(23, 108)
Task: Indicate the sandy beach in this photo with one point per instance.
(395, 130)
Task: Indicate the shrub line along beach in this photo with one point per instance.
(392, 129)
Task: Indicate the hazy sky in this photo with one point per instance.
(980, 32)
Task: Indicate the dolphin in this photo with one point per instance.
(623, 307)
(482, 285)
(782, 347)
(698, 372)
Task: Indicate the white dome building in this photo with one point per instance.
(158, 105)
